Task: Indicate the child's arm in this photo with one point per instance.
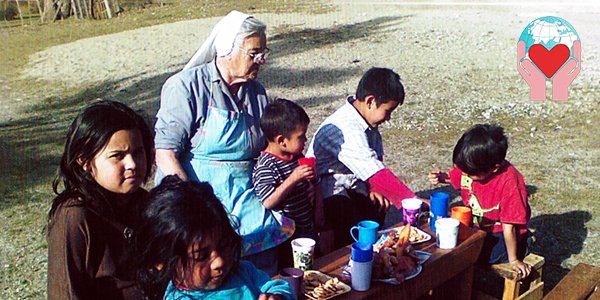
(385, 187)
(269, 289)
(436, 177)
(303, 172)
(510, 238)
(271, 297)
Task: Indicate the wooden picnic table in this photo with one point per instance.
(447, 274)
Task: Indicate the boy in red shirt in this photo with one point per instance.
(495, 191)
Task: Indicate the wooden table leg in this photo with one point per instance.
(457, 287)
(511, 289)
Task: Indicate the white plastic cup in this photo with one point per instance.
(361, 275)
(303, 250)
(361, 259)
(446, 233)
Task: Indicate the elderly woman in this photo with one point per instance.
(208, 129)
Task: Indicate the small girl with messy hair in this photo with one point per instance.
(186, 238)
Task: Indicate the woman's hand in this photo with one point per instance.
(521, 267)
(271, 297)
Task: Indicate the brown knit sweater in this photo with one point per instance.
(88, 255)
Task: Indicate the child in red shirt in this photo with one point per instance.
(495, 191)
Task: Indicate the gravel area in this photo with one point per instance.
(458, 63)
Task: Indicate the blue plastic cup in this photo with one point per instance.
(367, 232)
(361, 252)
(438, 207)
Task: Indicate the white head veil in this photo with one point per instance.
(221, 39)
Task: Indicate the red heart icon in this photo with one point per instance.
(549, 61)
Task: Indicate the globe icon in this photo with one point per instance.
(549, 31)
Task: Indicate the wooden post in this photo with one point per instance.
(29, 12)
(116, 8)
(87, 11)
(20, 13)
(80, 8)
(73, 10)
(107, 6)
(97, 10)
(40, 10)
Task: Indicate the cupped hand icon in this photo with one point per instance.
(566, 74)
(532, 75)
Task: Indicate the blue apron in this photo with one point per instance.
(224, 158)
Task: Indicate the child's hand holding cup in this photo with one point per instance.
(308, 161)
(311, 162)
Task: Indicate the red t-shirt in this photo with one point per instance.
(506, 188)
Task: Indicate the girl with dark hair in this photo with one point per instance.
(186, 238)
(107, 157)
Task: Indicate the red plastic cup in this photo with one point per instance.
(308, 161)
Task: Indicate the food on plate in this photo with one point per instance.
(321, 286)
(415, 236)
(395, 258)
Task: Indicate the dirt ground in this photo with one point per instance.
(457, 61)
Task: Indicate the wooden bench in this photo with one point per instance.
(582, 282)
(513, 281)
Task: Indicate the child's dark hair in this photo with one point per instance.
(89, 133)
(282, 117)
(480, 149)
(382, 83)
(178, 214)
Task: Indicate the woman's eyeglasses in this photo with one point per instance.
(260, 56)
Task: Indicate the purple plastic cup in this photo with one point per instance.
(294, 277)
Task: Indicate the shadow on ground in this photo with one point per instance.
(31, 143)
(557, 238)
(292, 41)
